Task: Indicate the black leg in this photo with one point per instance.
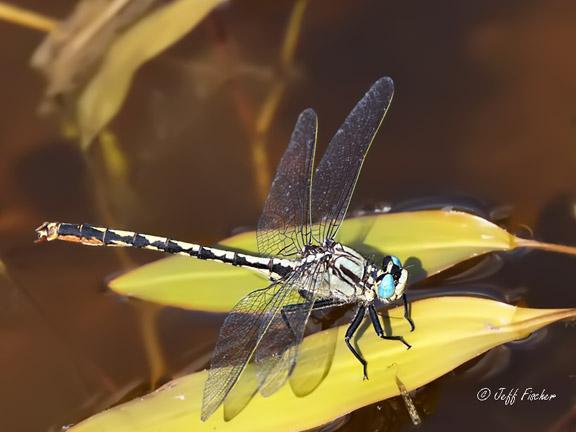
(350, 332)
(408, 312)
(378, 327)
(287, 322)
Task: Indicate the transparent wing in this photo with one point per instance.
(338, 171)
(313, 362)
(276, 354)
(315, 354)
(242, 332)
(284, 227)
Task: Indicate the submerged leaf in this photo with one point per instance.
(105, 93)
(90, 60)
(427, 242)
(449, 331)
(72, 51)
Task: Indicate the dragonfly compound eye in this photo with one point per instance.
(389, 262)
(386, 286)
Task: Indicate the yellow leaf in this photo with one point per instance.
(426, 241)
(449, 331)
(191, 283)
(104, 94)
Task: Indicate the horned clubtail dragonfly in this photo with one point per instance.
(308, 269)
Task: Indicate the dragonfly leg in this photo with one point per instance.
(378, 327)
(408, 312)
(285, 317)
(350, 332)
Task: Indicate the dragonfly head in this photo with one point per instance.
(391, 282)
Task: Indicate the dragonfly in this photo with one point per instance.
(297, 251)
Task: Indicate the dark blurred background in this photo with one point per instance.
(484, 108)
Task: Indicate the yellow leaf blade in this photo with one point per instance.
(449, 331)
(433, 240)
(208, 286)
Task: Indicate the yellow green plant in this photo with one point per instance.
(449, 332)
(425, 241)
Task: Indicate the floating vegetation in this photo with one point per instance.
(450, 332)
(428, 242)
(90, 59)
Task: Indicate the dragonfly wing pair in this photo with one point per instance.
(301, 209)
(305, 209)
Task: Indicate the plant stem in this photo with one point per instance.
(26, 18)
(550, 247)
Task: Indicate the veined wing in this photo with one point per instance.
(276, 355)
(244, 329)
(338, 171)
(284, 226)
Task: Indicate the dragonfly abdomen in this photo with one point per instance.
(99, 236)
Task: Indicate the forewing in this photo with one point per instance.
(284, 226)
(338, 171)
(276, 353)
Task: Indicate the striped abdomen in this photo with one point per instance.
(99, 236)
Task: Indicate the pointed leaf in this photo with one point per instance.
(449, 332)
(426, 241)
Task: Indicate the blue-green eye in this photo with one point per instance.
(386, 286)
(396, 261)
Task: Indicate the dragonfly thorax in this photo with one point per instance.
(351, 278)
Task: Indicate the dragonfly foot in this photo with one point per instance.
(412, 326)
(408, 312)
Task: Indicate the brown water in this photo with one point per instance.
(484, 108)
